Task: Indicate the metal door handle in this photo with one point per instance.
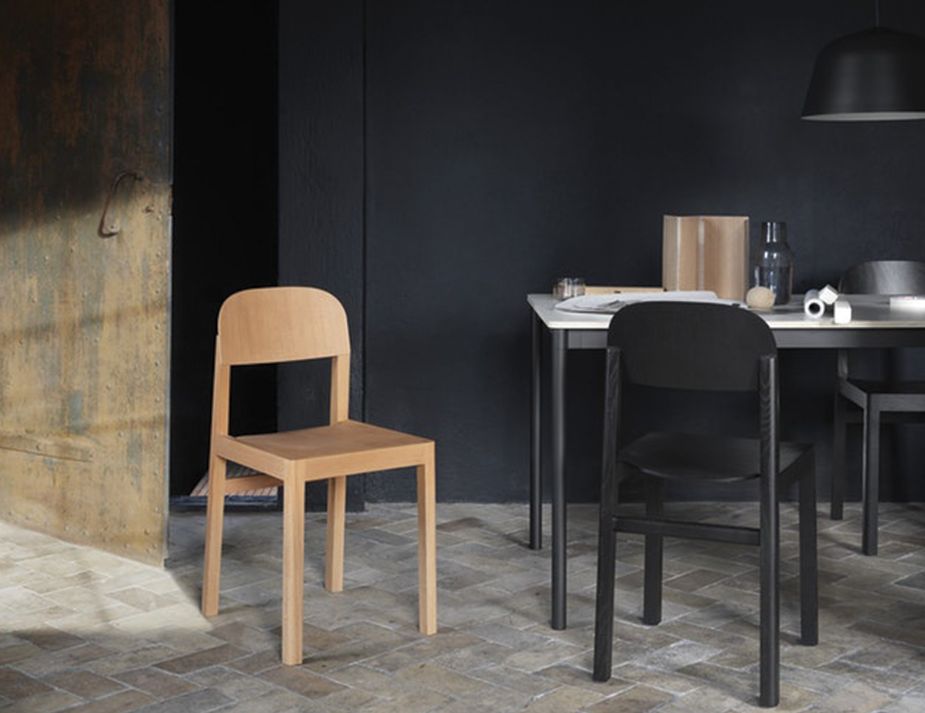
(109, 225)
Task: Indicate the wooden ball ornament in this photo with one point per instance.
(760, 298)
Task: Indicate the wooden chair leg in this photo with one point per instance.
(870, 475)
(334, 544)
(603, 610)
(769, 664)
(427, 547)
(839, 427)
(293, 566)
(809, 573)
(215, 511)
(652, 591)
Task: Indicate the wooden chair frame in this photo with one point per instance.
(274, 325)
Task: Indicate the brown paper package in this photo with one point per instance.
(706, 252)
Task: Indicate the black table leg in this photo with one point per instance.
(559, 347)
(839, 426)
(871, 485)
(536, 443)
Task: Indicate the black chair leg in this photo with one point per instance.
(652, 592)
(603, 618)
(838, 457)
(809, 573)
(769, 674)
(870, 472)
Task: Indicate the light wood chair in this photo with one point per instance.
(281, 324)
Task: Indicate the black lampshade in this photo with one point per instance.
(874, 75)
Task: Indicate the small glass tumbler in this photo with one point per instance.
(566, 287)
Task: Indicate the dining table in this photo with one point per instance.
(875, 323)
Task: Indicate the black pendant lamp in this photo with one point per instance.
(874, 75)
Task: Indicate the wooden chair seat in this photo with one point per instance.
(325, 451)
(718, 459)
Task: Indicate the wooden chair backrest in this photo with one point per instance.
(279, 324)
(271, 325)
(691, 346)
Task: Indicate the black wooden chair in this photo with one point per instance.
(877, 401)
(701, 347)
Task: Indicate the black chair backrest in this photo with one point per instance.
(884, 277)
(689, 345)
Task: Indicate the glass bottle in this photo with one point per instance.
(774, 264)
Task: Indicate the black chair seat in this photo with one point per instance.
(719, 459)
(871, 386)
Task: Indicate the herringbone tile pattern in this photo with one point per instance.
(82, 630)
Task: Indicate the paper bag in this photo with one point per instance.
(706, 252)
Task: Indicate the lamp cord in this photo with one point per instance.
(876, 13)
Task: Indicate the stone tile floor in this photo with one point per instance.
(82, 630)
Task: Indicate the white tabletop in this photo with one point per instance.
(868, 312)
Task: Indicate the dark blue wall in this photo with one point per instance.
(224, 213)
(322, 193)
(439, 160)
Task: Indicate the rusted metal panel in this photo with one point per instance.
(84, 96)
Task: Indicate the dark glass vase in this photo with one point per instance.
(774, 263)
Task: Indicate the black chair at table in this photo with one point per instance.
(877, 400)
(701, 347)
